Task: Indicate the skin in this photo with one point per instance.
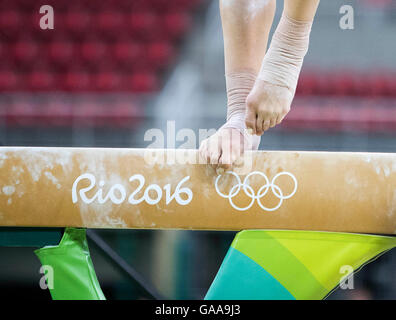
(246, 25)
(268, 104)
(245, 36)
(245, 33)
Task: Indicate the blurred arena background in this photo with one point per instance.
(112, 69)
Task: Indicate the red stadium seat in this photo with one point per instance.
(343, 84)
(28, 5)
(134, 37)
(307, 83)
(322, 83)
(110, 22)
(379, 85)
(105, 46)
(127, 53)
(11, 23)
(143, 25)
(77, 22)
(159, 54)
(185, 4)
(176, 24)
(41, 81)
(108, 81)
(392, 85)
(6, 5)
(93, 51)
(25, 51)
(9, 80)
(33, 26)
(3, 52)
(142, 82)
(60, 53)
(77, 81)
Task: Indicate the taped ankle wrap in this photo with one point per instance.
(239, 85)
(289, 45)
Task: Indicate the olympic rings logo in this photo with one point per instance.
(276, 190)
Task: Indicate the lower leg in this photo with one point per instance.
(246, 25)
(301, 10)
(273, 92)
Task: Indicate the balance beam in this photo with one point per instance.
(120, 188)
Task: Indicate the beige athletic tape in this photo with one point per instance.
(283, 61)
(239, 85)
(117, 188)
